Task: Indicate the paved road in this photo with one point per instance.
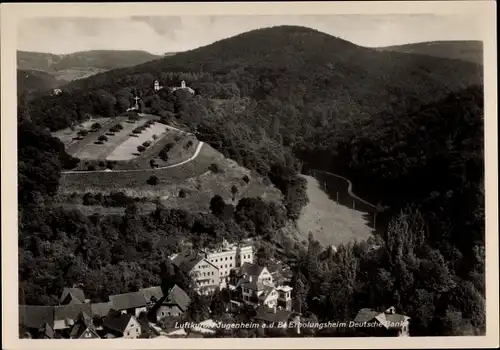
(196, 153)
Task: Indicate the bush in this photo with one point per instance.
(215, 168)
(182, 194)
(152, 163)
(189, 144)
(137, 131)
(91, 168)
(177, 138)
(96, 126)
(146, 144)
(110, 165)
(102, 138)
(153, 180)
(141, 149)
(102, 164)
(246, 179)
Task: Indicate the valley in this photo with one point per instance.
(284, 137)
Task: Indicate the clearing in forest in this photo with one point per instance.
(329, 222)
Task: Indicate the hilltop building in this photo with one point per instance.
(183, 86)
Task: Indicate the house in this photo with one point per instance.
(276, 317)
(122, 325)
(257, 287)
(204, 273)
(391, 323)
(228, 257)
(174, 304)
(72, 296)
(133, 303)
(83, 328)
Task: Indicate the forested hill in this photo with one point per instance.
(31, 80)
(470, 51)
(103, 59)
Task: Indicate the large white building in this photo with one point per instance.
(228, 257)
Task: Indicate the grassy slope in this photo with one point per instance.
(194, 178)
(329, 222)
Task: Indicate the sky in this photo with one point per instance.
(180, 33)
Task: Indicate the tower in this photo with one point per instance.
(156, 85)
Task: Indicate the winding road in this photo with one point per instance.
(349, 187)
(196, 153)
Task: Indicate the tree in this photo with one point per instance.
(217, 205)
(234, 190)
(141, 148)
(198, 309)
(153, 180)
(102, 138)
(96, 126)
(182, 194)
(217, 305)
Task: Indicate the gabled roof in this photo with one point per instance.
(126, 301)
(76, 294)
(150, 292)
(365, 315)
(34, 316)
(179, 297)
(269, 315)
(71, 311)
(176, 296)
(101, 309)
(254, 285)
(187, 261)
(388, 320)
(252, 269)
(79, 328)
(118, 323)
(47, 330)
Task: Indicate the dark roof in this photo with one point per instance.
(118, 323)
(71, 311)
(101, 309)
(48, 330)
(186, 261)
(32, 316)
(179, 297)
(152, 292)
(269, 315)
(128, 301)
(251, 269)
(176, 297)
(365, 315)
(75, 293)
(254, 285)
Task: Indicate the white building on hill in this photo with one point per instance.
(228, 257)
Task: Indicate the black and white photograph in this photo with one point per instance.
(181, 177)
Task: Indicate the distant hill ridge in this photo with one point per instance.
(466, 50)
(103, 59)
